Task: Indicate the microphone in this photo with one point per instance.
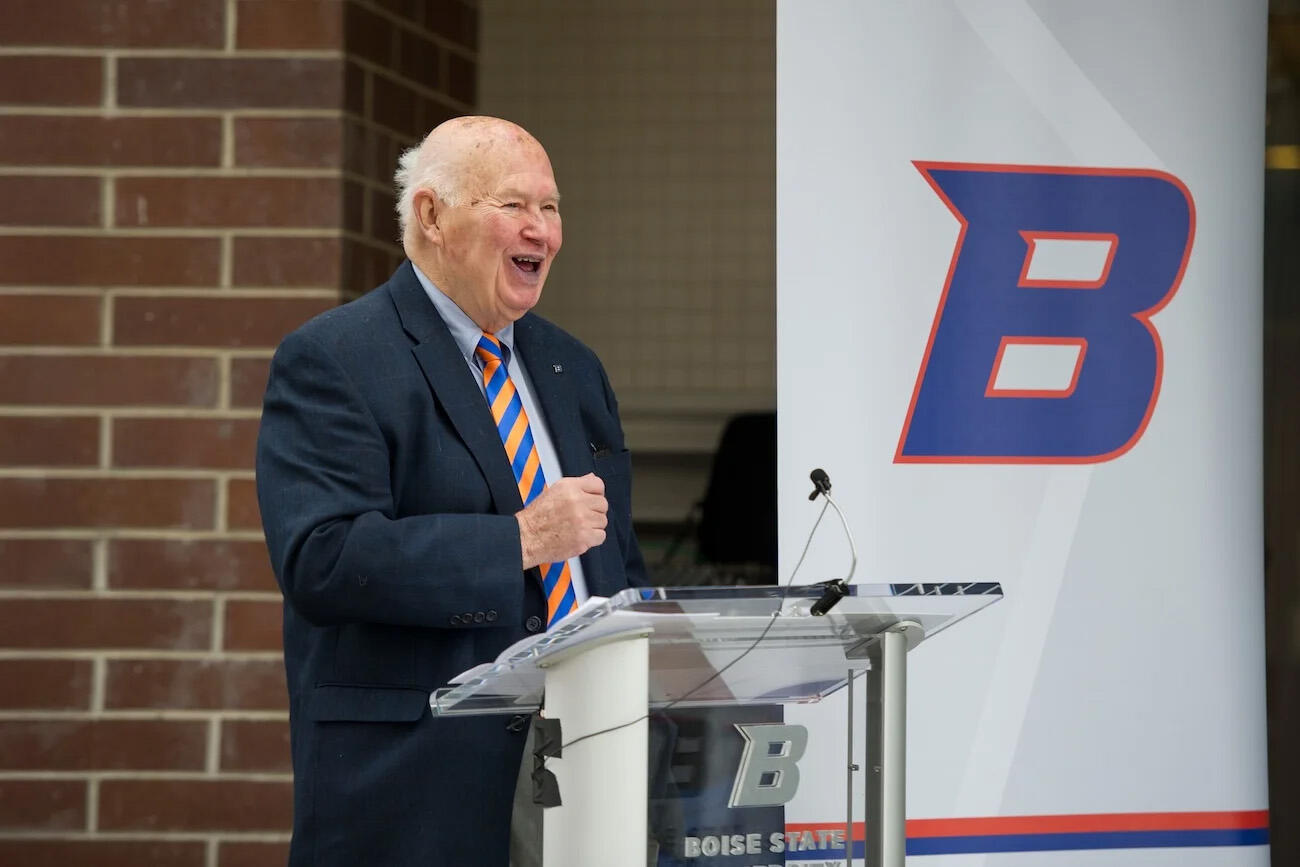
(821, 483)
(835, 591)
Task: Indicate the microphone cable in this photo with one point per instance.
(822, 486)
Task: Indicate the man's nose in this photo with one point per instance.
(534, 226)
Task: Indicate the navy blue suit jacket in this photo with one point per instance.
(388, 507)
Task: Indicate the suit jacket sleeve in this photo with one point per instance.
(339, 551)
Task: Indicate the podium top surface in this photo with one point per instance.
(713, 646)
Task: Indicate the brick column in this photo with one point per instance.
(181, 182)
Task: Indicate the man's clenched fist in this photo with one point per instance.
(564, 521)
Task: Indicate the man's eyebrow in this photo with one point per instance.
(512, 193)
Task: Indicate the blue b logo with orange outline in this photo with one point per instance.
(957, 413)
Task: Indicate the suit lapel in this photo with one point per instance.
(441, 362)
(445, 370)
(553, 388)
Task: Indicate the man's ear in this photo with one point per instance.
(429, 211)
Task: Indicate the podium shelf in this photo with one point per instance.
(717, 646)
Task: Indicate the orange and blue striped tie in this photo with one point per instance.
(521, 451)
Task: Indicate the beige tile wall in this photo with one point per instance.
(659, 116)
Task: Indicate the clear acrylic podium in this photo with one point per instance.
(603, 668)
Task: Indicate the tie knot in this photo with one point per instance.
(489, 349)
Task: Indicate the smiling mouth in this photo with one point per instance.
(527, 264)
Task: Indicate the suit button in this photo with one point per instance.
(517, 723)
(533, 624)
(455, 620)
(467, 618)
(491, 615)
(479, 617)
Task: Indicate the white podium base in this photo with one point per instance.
(602, 821)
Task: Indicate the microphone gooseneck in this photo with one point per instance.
(838, 588)
(834, 591)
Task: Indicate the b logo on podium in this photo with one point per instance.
(768, 775)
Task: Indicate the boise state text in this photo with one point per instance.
(756, 843)
(954, 417)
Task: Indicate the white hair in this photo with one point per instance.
(421, 168)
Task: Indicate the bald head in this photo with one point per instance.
(480, 216)
(455, 159)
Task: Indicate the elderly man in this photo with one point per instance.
(440, 473)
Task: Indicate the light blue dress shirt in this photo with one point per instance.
(466, 334)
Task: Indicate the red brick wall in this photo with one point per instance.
(181, 182)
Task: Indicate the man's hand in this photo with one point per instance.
(564, 521)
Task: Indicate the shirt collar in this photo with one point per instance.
(463, 329)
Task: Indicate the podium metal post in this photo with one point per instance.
(886, 806)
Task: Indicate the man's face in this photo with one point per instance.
(498, 244)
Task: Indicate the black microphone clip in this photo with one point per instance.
(834, 592)
(821, 483)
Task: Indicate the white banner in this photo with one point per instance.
(1019, 307)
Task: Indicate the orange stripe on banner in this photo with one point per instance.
(1064, 824)
(1086, 823)
(503, 400)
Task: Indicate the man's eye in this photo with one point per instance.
(550, 208)
(512, 205)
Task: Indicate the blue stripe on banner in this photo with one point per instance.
(988, 843)
(1095, 840)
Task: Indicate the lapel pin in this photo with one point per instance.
(558, 368)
